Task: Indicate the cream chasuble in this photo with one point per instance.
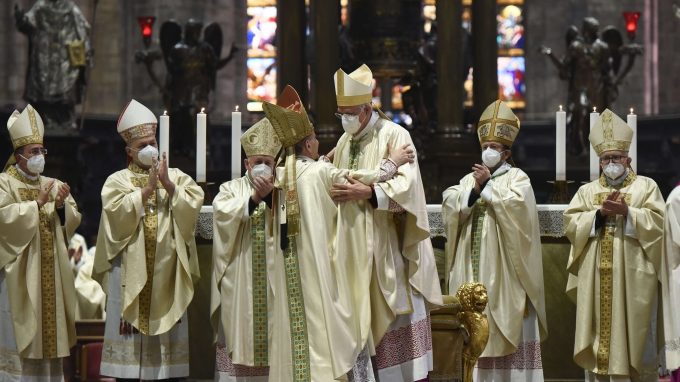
(497, 242)
(670, 279)
(324, 335)
(38, 292)
(246, 256)
(146, 261)
(614, 273)
(389, 255)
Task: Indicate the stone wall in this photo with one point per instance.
(116, 78)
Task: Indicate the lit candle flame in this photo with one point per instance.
(631, 110)
(594, 109)
(202, 110)
(165, 112)
(236, 108)
(560, 107)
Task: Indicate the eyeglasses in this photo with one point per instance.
(346, 115)
(38, 151)
(613, 158)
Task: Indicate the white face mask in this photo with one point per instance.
(36, 164)
(491, 157)
(261, 170)
(350, 123)
(614, 170)
(147, 155)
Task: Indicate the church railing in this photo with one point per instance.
(549, 217)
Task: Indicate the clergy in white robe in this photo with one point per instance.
(385, 237)
(146, 257)
(493, 238)
(91, 299)
(670, 280)
(246, 256)
(615, 226)
(37, 298)
(318, 306)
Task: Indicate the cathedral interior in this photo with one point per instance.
(437, 64)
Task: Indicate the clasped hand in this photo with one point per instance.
(481, 174)
(159, 172)
(614, 205)
(263, 187)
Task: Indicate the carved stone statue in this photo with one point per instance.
(191, 69)
(473, 299)
(592, 67)
(58, 52)
(419, 96)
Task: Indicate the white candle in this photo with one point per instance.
(632, 152)
(164, 143)
(560, 142)
(200, 145)
(235, 144)
(594, 159)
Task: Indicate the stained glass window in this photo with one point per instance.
(261, 32)
(511, 42)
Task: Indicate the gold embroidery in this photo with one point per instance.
(600, 197)
(35, 136)
(12, 171)
(606, 282)
(150, 228)
(478, 215)
(259, 295)
(48, 295)
(296, 315)
(630, 178)
(139, 131)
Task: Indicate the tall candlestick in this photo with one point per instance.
(632, 152)
(235, 144)
(594, 159)
(560, 142)
(200, 145)
(164, 143)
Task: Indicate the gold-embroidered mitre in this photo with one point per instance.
(136, 121)
(25, 128)
(498, 124)
(610, 133)
(355, 88)
(260, 139)
(288, 117)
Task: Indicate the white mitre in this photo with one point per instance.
(136, 121)
(355, 88)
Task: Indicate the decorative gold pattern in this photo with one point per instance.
(610, 133)
(630, 178)
(139, 131)
(599, 198)
(473, 299)
(11, 170)
(150, 230)
(259, 295)
(35, 137)
(478, 215)
(501, 126)
(48, 288)
(296, 315)
(288, 118)
(260, 139)
(611, 145)
(606, 282)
